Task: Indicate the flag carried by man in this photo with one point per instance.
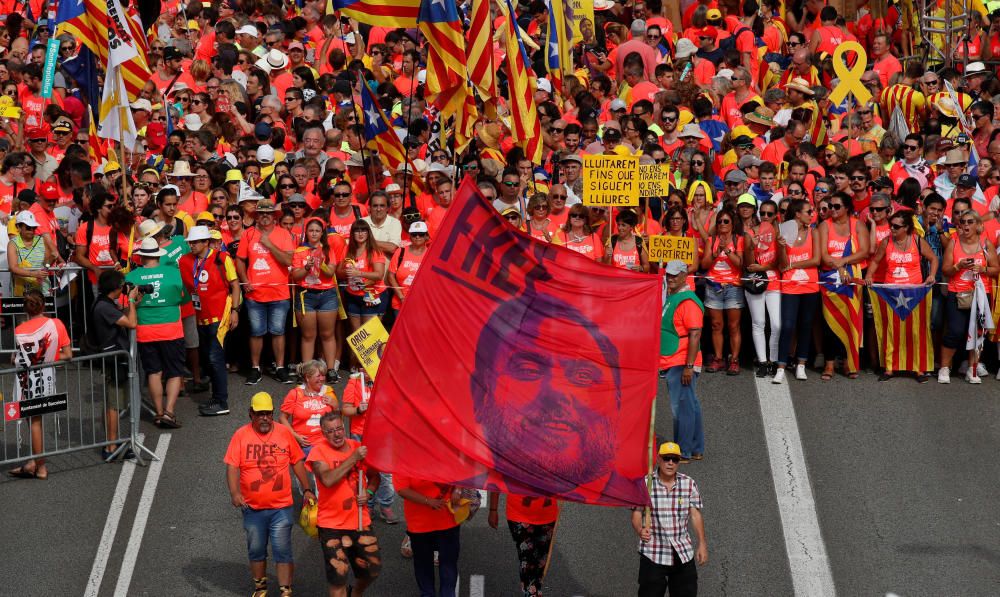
(903, 327)
(525, 126)
(94, 23)
(547, 390)
(385, 13)
(382, 137)
(559, 41)
(447, 84)
(116, 117)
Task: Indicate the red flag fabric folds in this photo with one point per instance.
(518, 366)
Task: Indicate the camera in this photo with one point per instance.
(142, 288)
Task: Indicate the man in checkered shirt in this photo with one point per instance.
(667, 557)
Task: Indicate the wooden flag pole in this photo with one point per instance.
(647, 514)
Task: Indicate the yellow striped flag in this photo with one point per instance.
(479, 49)
(385, 13)
(525, 127)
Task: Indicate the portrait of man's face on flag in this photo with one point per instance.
(524, 368)
(542, 411)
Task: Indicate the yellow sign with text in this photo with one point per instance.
(610, 181)
(654, 180)
(368, 344)
(668, 248)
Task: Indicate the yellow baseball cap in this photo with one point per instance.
(261, 402)
(207, 216)
(234, 176)
(215, 234)
(740, 131)
(666, 448)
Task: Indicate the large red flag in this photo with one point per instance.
(518, 366)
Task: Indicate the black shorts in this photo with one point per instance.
(163, 356)
(344, 550)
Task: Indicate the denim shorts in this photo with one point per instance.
(357, 307)
(317, 301)
(267, 318)
(272, 526)
(723, 296)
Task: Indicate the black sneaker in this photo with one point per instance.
(282, 375)
(213, 410)
(254, 377)
(272, 369)
(332, 376)
(663, 374)
(772, 369)
(763, 369)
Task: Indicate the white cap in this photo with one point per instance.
(422, 77)
(27, 218)
(248, 30)
(192, 122)
(544, 85)
(393, 188)
(240, 77)
(265, 154)
(198, 233)
(174, 187)
(418, 227)
(618, 104)
(142, 104)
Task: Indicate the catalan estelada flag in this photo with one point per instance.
(903, 327)
(525, 127)
(385, 13)
(447, 76)
(380, 134)
(842, 310)
(87, 21)
(479, 49)
(559, 41)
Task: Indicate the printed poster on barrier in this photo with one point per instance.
(610, 181)
(368, 344)
(668, 248)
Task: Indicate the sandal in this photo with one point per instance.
(886, 376)
(21, 473)
(158, 420)
(826, 376)
(169, 421)
(852, 375)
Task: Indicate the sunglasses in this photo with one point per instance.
(911, 147)
(763, 214)
(897, 226)
(967, 222)
(859, 178)
(341, 194)
(836, 206)
(236, 217)
(670, 119)
(822, 190)
(879, 209)
(197, 102)
(576, 216)
(513, 217)
(288, 186)
(697, 163)
(725, 222)
(673, 459)
(509, 183)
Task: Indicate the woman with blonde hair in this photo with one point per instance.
(701, 211)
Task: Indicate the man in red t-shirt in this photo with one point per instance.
(344, 522)
(257, 460)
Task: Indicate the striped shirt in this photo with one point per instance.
(671, 513)
(910, 101)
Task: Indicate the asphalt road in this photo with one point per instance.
(905, 480)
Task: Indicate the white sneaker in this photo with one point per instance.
(972, 377)
(944, 375)
(981, 370)
(963, 367)
(779, 376)
(800, 372)
(998, 374)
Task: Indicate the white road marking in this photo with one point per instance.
(141, 516)
(807, 556)
(477, 585)
(458, 585)
(110, 528)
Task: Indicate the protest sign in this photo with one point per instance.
(668, 248)
(611, 181)
(368, 343)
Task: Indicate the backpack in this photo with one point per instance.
(729, 43)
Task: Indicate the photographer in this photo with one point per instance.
(108, 333)
(159, 331)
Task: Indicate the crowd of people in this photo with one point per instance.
(253, 206)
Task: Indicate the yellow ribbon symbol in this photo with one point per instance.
(850, 77)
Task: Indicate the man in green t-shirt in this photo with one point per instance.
(159, 333)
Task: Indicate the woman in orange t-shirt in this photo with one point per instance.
(532, 523)
(364, 269)
(577, 235)
(40, 339)
(314, 265)
(539, 224)
(304, 405)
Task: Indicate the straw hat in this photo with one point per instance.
(800, 84)
(181, 170)
(762, 115)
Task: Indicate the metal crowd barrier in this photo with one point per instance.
(68, 302)
(68, 401)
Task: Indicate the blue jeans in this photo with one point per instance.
(686, 409)
(797, 312)
(267, 318)
(272, 526)
(385, 495)
(213, 354)
(447, 544)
